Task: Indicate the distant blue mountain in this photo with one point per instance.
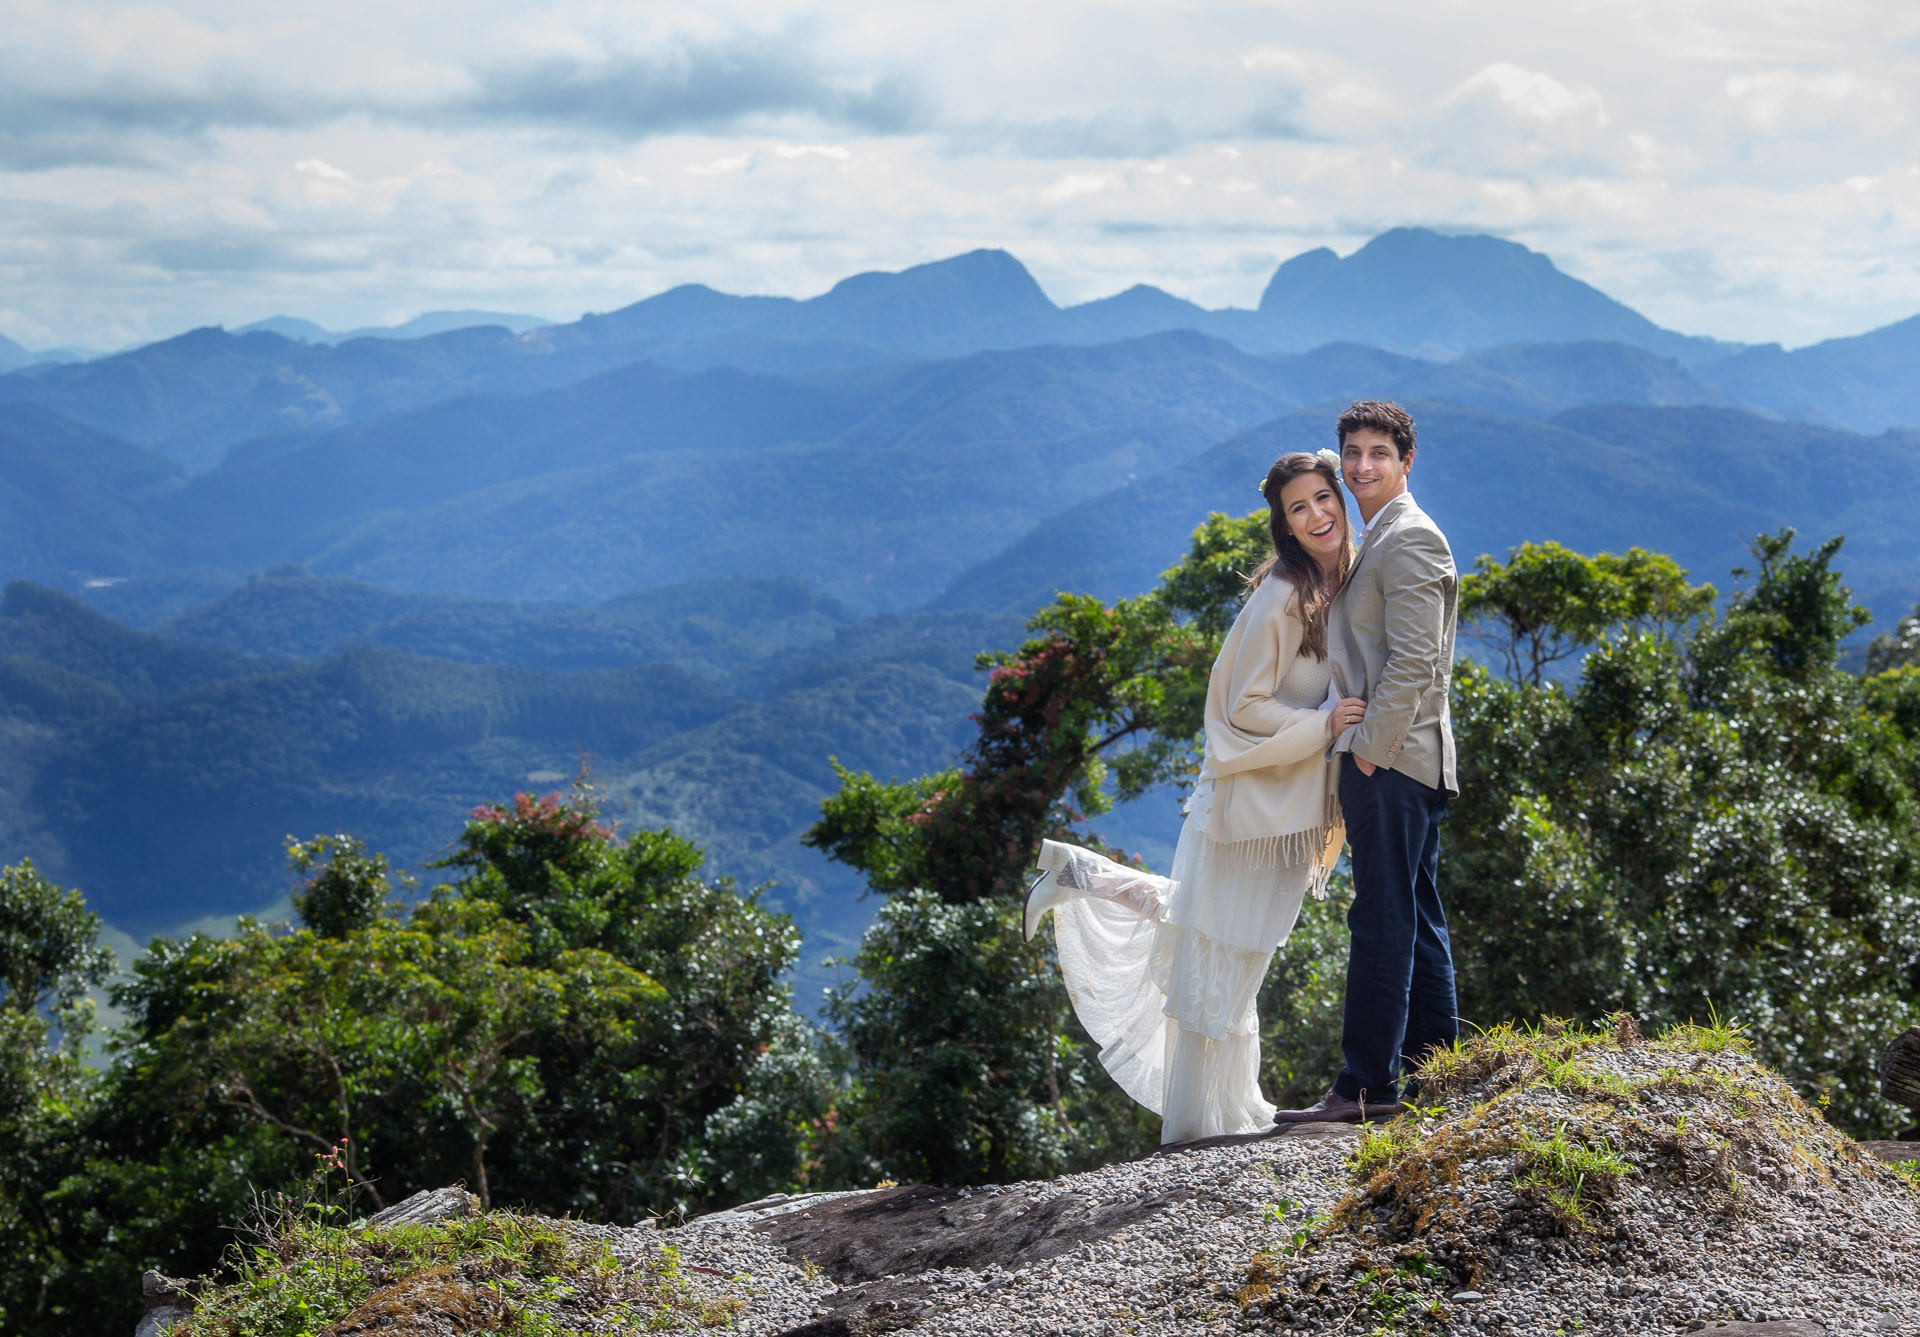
(1410, 290)
(878, 485)
(70, 499)
(432, 322)
(1695, 482)
(980, 300)
(291, 327)
(196, 395)
(1449, 299)
(1439, 296)
(733, 511)
(12, 354)
(1868, 382)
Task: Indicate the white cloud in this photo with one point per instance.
(722, 166)
(1771, 98)
(326, 171)
(1531, 93)
(167, 165)
(1076, 184)
(837, 152)
(1274, 59)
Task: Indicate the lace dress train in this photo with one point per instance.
(1164, 972)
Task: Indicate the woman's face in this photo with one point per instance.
(1315, 515)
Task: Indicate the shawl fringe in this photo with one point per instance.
(1290, 849)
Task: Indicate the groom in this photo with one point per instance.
(1390, 640)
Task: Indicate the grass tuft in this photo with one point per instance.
(1575, 1176)
(501, 1272)
(1718, 1036)
(1909, 1171)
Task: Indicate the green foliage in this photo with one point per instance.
(1545, 604)
(349, 890)
(1899, 648)
(1894, 695)
(784, 1134)
(1302, 999)
(968, 1065)
(49, 952)
(1717, 821)
(1794, 616)
(1575, 1176)
(556, 1027)
(49, 957)
(878, 826)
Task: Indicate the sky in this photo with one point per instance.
(1747, 169)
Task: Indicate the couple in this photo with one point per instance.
(1327, 706)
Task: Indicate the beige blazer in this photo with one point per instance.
(1390, 639)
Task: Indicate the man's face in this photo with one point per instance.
(1372, 466)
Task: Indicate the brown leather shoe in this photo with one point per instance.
(1336, 1108)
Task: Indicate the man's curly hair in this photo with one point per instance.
(1381, 416)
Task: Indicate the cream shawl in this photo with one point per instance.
(1273, 800)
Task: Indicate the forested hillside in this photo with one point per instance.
(1695, 482)
(163, 772)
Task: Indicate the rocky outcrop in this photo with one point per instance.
(427, 1206)
(1900, 1077)
(167, 1302)
(1559, 1183)
(1566, 1185)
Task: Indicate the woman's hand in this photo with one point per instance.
(1346, 713)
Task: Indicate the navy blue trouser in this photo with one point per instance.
(1400, 998)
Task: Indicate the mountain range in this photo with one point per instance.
(266, 584)
(431, 322)
(1409, 290)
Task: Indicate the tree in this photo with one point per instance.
(49, 958)
(345, 887)
(557, 1026)
(1790, 622)
(49, 943)
(1720, 819)
(1897, 648)
(1545, 604)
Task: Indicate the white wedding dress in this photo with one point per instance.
(1164, 971)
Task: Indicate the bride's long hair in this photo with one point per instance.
(1292, 561)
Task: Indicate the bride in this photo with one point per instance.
(1163, 972)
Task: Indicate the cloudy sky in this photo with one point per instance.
(1748, 169)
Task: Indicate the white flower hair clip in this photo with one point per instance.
(1330, 458)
